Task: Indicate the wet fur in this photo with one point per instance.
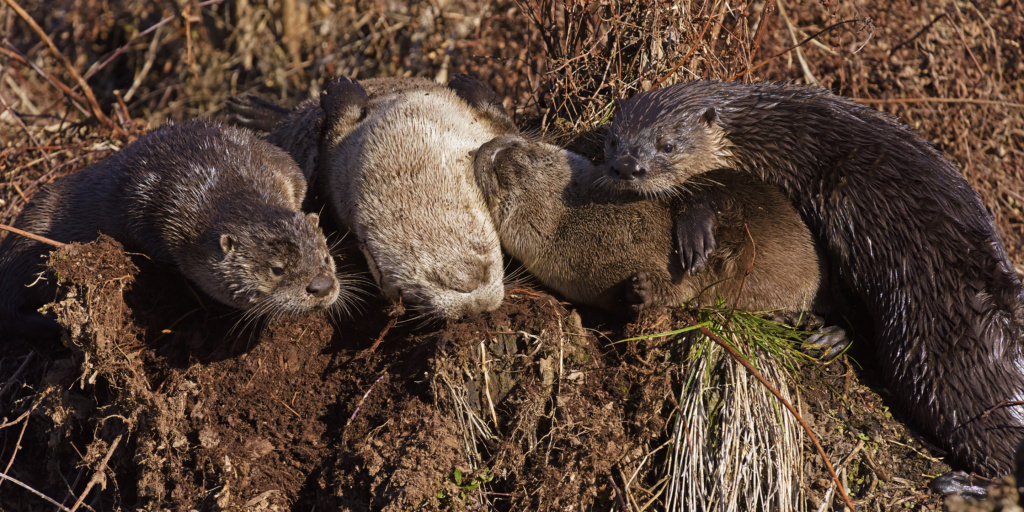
(218, 202)
(587, 245)
(906, 236)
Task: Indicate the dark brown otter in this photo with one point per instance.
(219, 202)
(907, 238)
(588, 245)
(392, 160)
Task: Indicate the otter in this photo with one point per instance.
(393, 162)
(909, 242)
(298, 130)
(217, 201)
(597, 249)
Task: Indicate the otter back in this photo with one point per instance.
(217, 201)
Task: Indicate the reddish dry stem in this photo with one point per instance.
(94, 105)
(685, 59)
(33, 236)
(787, 50)
(761, 25)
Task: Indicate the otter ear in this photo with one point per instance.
(709, 116)
(313, 219)
(227, 243)
(342, 101)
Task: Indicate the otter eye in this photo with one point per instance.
(667, 147)
(277, 271)
(327, 260)
(612, 143)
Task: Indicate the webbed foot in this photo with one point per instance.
(482, 98)
(342, 100)
(958, 482)
(832, 340)
(639, 292)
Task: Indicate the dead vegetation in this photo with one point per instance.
(150, 403)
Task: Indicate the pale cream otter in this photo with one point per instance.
(393, 162)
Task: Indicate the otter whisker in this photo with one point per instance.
(427, 320)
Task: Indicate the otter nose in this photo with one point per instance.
(320, 286)
(474, 273)
(627, 168)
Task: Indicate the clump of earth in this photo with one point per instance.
(170, 400)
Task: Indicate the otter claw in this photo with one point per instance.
(254, 113)
(695, 237)
(958, 482)
(832, 339)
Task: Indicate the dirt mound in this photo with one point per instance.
(521, 408)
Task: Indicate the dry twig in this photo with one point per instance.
(94, 105)
(33, 236)
(98, 474)
(23, 485)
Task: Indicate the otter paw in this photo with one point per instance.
(695, 236)
(342, 93)
(639, 292)
(475, 92)
(958, 482)
(833, 340)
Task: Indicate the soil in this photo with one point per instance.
(158, 398)
(170, 403)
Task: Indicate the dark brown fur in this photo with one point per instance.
(217, 201)
(908, 239)
(587, 245)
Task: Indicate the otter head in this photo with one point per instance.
(272, 265)
(526, 186)
(448, 270)
(516, 174)
(660, 138)
(432, 244)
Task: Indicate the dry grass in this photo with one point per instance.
(734, 447)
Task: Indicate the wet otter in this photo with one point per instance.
(905, 235)
(217, 201)
(393, 161)
(587, 245)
